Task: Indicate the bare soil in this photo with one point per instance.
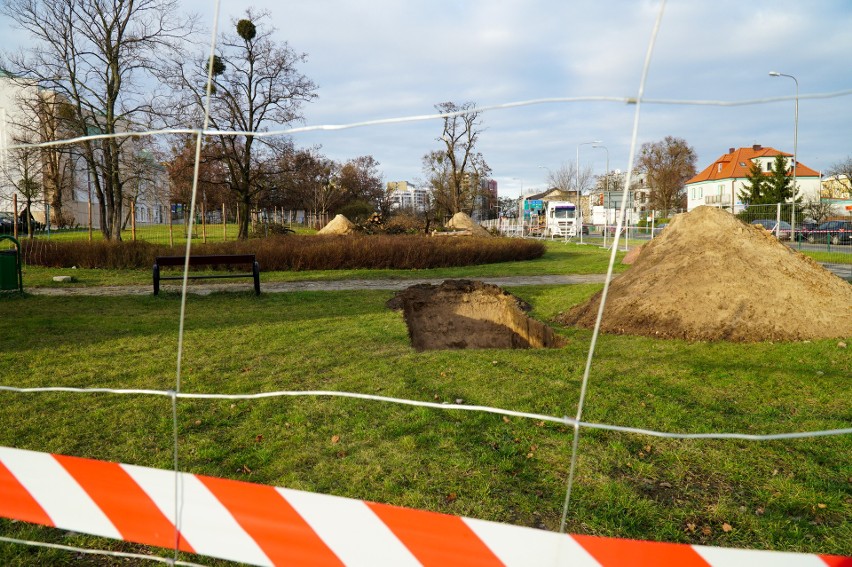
(338, 225)
(462, 314)
(709, 276)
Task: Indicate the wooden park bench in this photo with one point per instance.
(208, 260)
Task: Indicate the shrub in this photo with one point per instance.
(295, 252)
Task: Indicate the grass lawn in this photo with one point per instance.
(560, 258)
(791, 495)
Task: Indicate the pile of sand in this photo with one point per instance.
(338, 225)
(710, 276)
(462, 221)
(462, 314)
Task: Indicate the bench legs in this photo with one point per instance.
(156, 279)
(255, 270)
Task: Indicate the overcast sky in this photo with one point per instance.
(379, 59)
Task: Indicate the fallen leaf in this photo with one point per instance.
(451, 497)
(506, 419)
(459, 401)
(335, 438)
(706, 530)
(259, 438)
(197, 422)
(436, 397)
(726, 527)
(690, 528)
(760, 511)
(540, 424)
(246, 469)
(641, 454)
(665, 485)
(822, 506)
(774, 472)
(530, 455)
(647, 448)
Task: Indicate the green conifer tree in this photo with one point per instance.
(753, 190)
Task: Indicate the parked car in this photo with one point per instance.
(784, 229)
(7, 223)
(835, 232)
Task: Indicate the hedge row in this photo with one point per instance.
(295, 252)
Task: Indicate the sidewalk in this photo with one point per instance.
(284, 287)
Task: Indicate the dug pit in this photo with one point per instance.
(462, 314)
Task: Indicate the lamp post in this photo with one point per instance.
(579, 197)
(795, 140)
(523, 201)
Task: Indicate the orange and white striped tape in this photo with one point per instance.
(264, 525)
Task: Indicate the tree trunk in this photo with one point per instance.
(245, 217)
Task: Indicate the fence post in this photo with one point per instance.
(203, 222)
(15, 212)
(778, 221)
(793, 222)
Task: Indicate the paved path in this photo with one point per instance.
(283, 287)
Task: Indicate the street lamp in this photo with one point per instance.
(521, 205)
(579, 197)
(795, 127)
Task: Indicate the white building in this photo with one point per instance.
(146, 181)
(720, 184)
(407, 197)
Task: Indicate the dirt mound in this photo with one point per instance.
(461, 221)
(709, 276)
(338, 225)
(462, 314)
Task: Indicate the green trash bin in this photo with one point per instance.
(10, 267)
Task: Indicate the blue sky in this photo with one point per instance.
(386, 59)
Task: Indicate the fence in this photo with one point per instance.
(218, 225)
(828, 242)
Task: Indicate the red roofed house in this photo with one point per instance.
(720, 184)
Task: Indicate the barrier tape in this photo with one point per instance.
(264, 525)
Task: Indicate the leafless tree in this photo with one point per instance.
(565, 178)
(24, 172)
(818, 209)
(256, 83)
(668, 164)
(841, 186)
(454, 172)
(93, 55)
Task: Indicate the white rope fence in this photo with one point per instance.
(564, 420)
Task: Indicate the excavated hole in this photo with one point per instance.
(462, 314)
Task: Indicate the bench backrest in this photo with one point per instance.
(206, 260)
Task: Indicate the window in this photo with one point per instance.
(719, 168)
(769, 166)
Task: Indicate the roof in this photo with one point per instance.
(552, 194)
(736, 163)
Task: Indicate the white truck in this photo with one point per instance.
(562, 219)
